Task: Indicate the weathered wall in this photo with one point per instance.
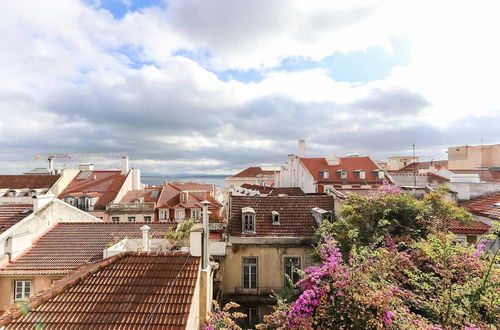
(67, 175)
(472, 157)
(468, 190)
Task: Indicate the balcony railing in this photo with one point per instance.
(260, 291)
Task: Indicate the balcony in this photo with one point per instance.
(259, 295)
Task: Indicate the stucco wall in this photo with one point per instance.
(471, 157)
(67, 175)
(270, 264)
(468, 190)
(38, 283)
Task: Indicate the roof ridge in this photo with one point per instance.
(60, 286)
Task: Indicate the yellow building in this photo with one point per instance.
(473, 157)
(268, 238)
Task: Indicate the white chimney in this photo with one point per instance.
(125, 165)
(40, 201)
(145, 237)
(86, 167)
(205, 264)
(136, 179)
(302, 148)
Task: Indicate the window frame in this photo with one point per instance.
(255, 273)
(148, 218)
(248, 223)
(131, 218)
(165, 212)
(115, 219)
(23, 289)
(292, 273)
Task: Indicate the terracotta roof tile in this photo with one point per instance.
(349, 164)
(275, 191)
(296, 219)
(27, 181)
(10, 214)
(253, 172)
(150, 194)
(122, 292)
(487, 205)
(107, 183)
(67, 246)
(424, 165)
(477, 227)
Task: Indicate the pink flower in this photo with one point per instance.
(387, 317)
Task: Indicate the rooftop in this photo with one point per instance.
(149, 195)
(126, 291)
(253, 172)
(296, 219)
(486, 175)
(349, 164)
(170, 198)
(10, 214)
(28, 181)
(424, 165)
(275, 191)
(67, 246)
(486, 205)
(107, 183)
(477, 227)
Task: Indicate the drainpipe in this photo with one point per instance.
(145, 237)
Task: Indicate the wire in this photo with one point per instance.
(166, 293)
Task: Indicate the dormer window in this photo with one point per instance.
(381, 175)
(361, 174)
(276, 218)
(70, 200)
(248, 220)
(342, 174)
(32, 192)
(324, 174)
(183, 197)
(11, 193)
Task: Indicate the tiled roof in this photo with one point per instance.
(358, 191)
(484, 205)
(274, 191)
(296, 219)
(424, 165)
(27, 181)
(150, 195)
(484, 175)
(191, 185)
(107, 183)
(127, 291)
(10, 214)
(170, 198)
(422, 179)
(477, 227)
(253, 172)
(67, 246)
(349, 164)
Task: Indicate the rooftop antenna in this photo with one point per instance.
(414, 168)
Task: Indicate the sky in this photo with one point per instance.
(214, 86)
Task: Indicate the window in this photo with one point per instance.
(472, 239)
(70, 200)
(147, 218)
(86, 203)
(249, 222)
(131, 219)
(11, 193)
(100, 218)
(343, 174)
(32, 192)
(291, 266)
(324, 174)
(276, 218)
(180, 214)
(163, 215)
(22, 290)
(329, 216)
(362, 174)
(381, 175)
(115, 219)
(183, 197)
(250, 273)
(195, 213)
(251, 319)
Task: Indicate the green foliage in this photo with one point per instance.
(367, 220)
(180, 235)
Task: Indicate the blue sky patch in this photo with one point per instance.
(119, 8)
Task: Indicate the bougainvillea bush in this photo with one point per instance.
(436, 284)
(389, 263)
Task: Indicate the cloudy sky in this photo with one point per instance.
(216, 85)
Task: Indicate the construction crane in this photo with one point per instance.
(51, 157)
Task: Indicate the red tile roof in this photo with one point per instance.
(477, 227)
(107, 183)
(10, 214)
(150, 195)
(193, 186)
(170, 198)
(484, 175)
(296, 219)
(424, 165)
(127, 291)
(253, 172)
(68, 246)
(274, 191)
(349, 164)
(484, 205)
(359, 191)
(27, 181)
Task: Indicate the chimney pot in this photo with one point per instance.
(302, 148)
(145, 237)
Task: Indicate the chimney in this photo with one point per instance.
(332, 160)
(86, 167)
(40, 201)
(302, 148)
(124, 165)
(145, 237)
